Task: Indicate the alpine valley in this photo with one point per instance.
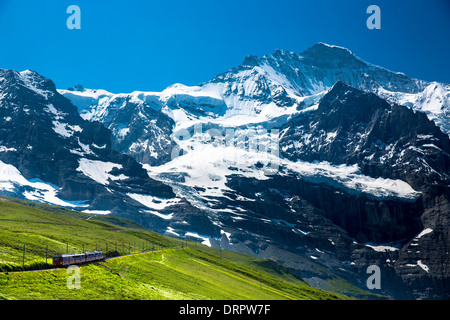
(318, 160)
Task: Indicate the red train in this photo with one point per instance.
(77, 258)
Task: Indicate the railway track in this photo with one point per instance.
(97, 262)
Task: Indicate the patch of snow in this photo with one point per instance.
(123, 132)
(86, 149)
(99, 170)
(424, 232)
(381, 247)
(206, 239)
(423, 266)
(99, 147)
(5, 149)
(64, 129)
(171, 230)
(60, 128)
(101, 212)
(58, 115)
(152, 202)
(11, 180)
(160, 215)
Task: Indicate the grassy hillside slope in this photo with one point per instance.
(164, 271)
(168, 274)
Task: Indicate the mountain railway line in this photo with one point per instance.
(96, 262)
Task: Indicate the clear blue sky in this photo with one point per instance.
(149, 44)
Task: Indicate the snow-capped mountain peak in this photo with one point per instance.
(362, 165)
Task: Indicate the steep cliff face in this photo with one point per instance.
(353, 127)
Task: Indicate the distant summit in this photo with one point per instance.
(77, 87)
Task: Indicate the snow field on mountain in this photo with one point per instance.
(11, 180)
(99, 170)
(207, 164)
(152, 202)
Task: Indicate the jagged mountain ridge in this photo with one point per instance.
(271, 87)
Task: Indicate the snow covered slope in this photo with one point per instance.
(260, 89)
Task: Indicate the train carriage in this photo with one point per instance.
(77, 258)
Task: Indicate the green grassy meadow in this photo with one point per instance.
(165, 270)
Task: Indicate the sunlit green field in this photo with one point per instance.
(152, 267)
(168, 274)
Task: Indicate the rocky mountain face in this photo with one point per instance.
(318, 160)
(49, 153)
(386, 141)
(354, 127)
